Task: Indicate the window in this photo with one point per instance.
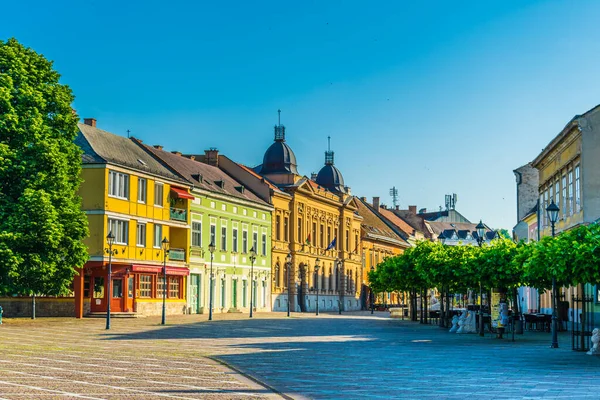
(145, 285)
(118, 184)
(98, 287)
(564, 195)
(542, 207)
(300, 238)
(321, 235)
(160, 286)
(158, 194)
(577, 190)
(264, 244)
(277, 277)
(235, 238)
(278, 227)
(570, 194)
(255, 241)
(141, 234)
(313, 239)
(328, 236)
(213, 234)
(117, 288)
(356, 242)
(119, 229)
(546, 203)
(174, 287)
(142, 183)
(286, 234)
(347, 240)
(157, 235)
(197, 234)
(556, 194)
(223, 236)
(245, 240)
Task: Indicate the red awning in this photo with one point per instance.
(170, 270)
(182, 194)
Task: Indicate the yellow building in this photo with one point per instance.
(315, 222)
(379, 241)
(569, 176)
(128, 193)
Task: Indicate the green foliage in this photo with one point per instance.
(41, 222)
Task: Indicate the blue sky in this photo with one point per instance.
(433, 98)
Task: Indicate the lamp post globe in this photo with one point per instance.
(288, 263)
(553, 211)
(110, 240)
(211, 249)
(317, 265)
(372, 297)
(480, 239)
(252, 283)
(165, 247)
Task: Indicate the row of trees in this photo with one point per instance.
(572, 258)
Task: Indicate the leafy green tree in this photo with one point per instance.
(41, 222)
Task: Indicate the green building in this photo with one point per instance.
(235, 220)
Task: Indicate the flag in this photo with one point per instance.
(308, 239)
(332, 244)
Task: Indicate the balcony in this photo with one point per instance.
(176, 254)
(178, 214)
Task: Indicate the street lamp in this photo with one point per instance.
(288, 261)
(480, 239)
(165, 246)
(553, 211)
(338, 263)
(372, 299)
(211, 249)
(317, 262)
(252, 259)
(110, 240)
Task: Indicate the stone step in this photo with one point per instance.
(115, 315)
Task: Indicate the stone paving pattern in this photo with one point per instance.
(351, 356)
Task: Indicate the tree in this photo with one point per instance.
(41, 222)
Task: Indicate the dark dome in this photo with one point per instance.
(279, 158)
(331, 178)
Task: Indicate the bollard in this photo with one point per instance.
(1, 311)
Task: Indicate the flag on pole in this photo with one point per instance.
(308, 239)
(332, 244)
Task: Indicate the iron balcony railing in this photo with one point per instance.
(178, 214)
(177, 254)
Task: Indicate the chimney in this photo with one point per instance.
(211, 157)
(177, 153)
(90, 121)
(412, 209)
(158, 146)
(376, 203)
(397, 208)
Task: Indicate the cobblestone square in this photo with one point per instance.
(327, 357)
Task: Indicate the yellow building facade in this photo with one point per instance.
(129, 194)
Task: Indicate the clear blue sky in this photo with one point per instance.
(434, 98)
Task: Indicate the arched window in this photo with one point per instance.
(277, 277)
(330, 279)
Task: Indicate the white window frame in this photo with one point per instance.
(197, 232)
(118, 185)
(142, 194)
(162, 193)
(155, 244)
(140, 235)
(119, 229)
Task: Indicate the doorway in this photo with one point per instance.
(195, 293)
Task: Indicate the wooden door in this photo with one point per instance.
(117, 300)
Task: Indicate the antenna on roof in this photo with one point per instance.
(328, 143)
(394, 194)
(279, 117)
(128, 132)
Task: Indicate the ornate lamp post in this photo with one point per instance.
(288, 261)
(553, 211)
(317, 264)
(480, 239)
(372, 296)
(165, 246)
(110, 240)
(211, 249)
(252, 260)
(338, 263)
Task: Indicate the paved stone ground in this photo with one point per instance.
(343, 357)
